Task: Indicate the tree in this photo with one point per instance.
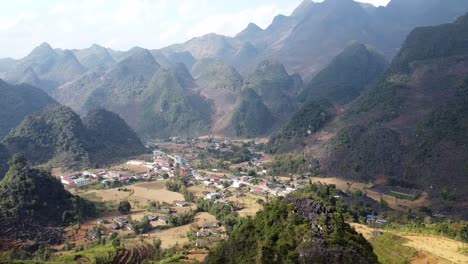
(116, 243)
(124, 207)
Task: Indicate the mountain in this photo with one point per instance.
(6, 64)
(35, 205)
(162, 59)
(171, 109)
(51, 67)
(109, 137)
(251, 32)
(276, 87)
(208, 46)
(293, 230)
(410, 125)
(114, 87)
(4, 156)
(250, 117)
(184, 57)
(18, 101)
(214, 74)
(94, 57)
(306, 121)
(307, 40)
(155, 102)
(346, 76)
(57, 137)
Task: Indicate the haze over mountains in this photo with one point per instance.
(304, 42)
(321, 68)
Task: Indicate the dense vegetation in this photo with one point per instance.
(110, 138)
(359, 153)
(275, 86)
(155, 102)
(55, 134)
(251, 117)
(19, 101)
(215, 73)
(290, 163)
(58, 137)
(33, 203)
(431, 43)
(308, 120)
(293, 230)
(4, 156)
(346, 76)
(171, 109)
(411, 125)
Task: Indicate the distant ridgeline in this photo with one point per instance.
(35, 206)
(58, 137)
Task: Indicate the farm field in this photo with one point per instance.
(250, 204)
(178, 235)
(138, 194)
(396, 204)
(431, 249)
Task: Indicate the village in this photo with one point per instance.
(161, 209)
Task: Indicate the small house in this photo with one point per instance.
(210, 225)
(152, 217)
(370, 219)
(163, 219)
(213, 196)
(203, 234)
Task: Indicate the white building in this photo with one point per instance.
(81, 181)
(87, 173)
(213, 196)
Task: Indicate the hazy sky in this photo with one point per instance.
(122, 24)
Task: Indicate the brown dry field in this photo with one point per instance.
(140, 194)
(198, 190)
(251, 207)
(432, 249)
(131, 168)
(178, 235)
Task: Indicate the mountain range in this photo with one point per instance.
(292, 48)
(408, 126)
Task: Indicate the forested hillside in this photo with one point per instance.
(18, 101)
(37, 205)
(409, 125)
(293, 230)
(58, 137)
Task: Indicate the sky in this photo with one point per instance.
(123, 24)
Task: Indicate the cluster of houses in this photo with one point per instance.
(163, 165)
(77, 179)
(210, 232)
(274, 187)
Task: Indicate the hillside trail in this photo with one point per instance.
(432, 249)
